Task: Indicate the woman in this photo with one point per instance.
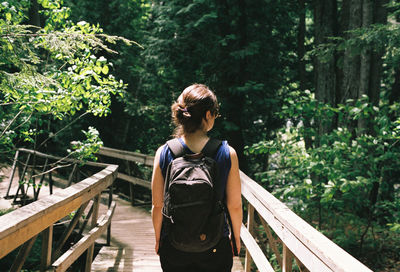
(194, 114)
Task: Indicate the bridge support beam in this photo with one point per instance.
(250, 227)
(90, 251)
(47, 241)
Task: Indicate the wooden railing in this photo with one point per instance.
(311, 250)
(21, 227)
(129, 156)
(291, 239)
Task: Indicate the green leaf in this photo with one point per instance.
(105, 70)
(45, 3)
(97, 69)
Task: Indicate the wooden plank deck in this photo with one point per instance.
(5, 173)
(132, 243)
(132, 235)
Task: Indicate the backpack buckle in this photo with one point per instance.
(167, 216)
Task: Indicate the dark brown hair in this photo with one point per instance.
(191, 107)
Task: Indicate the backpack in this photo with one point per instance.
(193, 208)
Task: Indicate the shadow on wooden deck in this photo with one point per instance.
(132, 241)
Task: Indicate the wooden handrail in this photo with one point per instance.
(127, 155)
(24, 224)
(314, 250)
(310, 249)
(65, 261)
(43, 155)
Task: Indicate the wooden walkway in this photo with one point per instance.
(132, 242)
(132, 235)
(132, 238)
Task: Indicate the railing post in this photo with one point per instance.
(110, 199)
(22, 254)
(51, 182)
(72, 175)
(21, 179)
(90, 251)
(47, 240)
(287, 259)
(67, 232)
(250, 227)
(41, 179)
(271, 241)
(301, 266)
(12, 172)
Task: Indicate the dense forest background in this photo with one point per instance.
(309, 94)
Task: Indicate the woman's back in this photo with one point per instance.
(194, 114)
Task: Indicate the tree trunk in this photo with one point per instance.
(301, 49)
(325, 23)
(351, 63)
(300, 44)
(343, 25)
(344, 17)
(391, 177)
(379, 17)
(234, 102)
(394, 95)
(365, 63)
(387, 182)
(325, 13)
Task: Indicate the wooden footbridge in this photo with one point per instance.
(85, 227)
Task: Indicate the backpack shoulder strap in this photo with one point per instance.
(211, 147)
(176, 147)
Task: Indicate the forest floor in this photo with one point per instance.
(5, 203)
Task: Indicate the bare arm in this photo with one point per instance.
(157, 193)
(234, 197)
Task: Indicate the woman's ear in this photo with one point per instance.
(208, 121)
(208, 115)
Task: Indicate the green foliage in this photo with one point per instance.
(51, 73)
(134, 123)
(346, 183)
(86, 149)
(395, 227)
(374, 38)
(226, 47)
(83, 79)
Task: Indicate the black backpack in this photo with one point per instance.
(193, 207)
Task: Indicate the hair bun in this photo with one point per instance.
(184, 111)
(189, 110)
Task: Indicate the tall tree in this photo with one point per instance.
(325, 24)
(229, 45)
(379, 16)
(301, 49)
